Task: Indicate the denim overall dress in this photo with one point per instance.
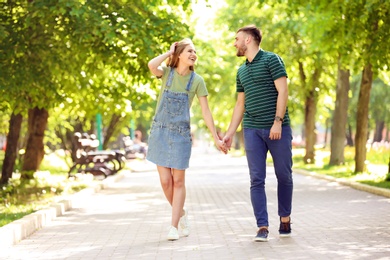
(170, 141)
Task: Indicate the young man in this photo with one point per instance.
(262, 104)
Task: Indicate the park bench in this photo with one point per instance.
(89, 160)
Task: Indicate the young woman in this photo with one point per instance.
(169, 145)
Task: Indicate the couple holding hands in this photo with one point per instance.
(261, 85)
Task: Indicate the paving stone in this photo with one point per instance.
(128, 219)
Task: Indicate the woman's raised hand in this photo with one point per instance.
(172, 49)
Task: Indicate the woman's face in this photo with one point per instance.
(188, 56)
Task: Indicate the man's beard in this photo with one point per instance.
(241, 51)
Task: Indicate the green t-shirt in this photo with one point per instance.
(179, 84)
(256, 80)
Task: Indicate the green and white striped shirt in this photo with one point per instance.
(256, 80)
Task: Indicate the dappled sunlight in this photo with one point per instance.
(374, 173)
(129, 219)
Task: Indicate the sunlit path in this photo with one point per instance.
(129, 220)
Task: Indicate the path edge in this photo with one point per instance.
(20, 229)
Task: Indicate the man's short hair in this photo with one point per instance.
(253, 31)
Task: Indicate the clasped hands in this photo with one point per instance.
(224, 143)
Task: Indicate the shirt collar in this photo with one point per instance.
(257, 57)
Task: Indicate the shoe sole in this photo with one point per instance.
(284, 235)
(261, 239)
(172, 239)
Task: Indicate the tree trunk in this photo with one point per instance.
(37, 122)
(308, 129)
(362, 119)
(11, 150)
(338, 135)
(379, 126)
(310, 113)
(349, 136)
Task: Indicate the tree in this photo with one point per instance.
(53, 50)
(339, 122)
(11, 151)
(339, 43)
(372, 28)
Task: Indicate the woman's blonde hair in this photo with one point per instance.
(173, 60)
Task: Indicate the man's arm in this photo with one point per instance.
(281, 105)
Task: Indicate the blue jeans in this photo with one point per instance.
(257, 145)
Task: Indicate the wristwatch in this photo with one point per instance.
(278, 119)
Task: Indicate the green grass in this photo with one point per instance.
(376, 164)
(19, 198)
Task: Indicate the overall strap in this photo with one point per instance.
(170, 78)
(190, 81)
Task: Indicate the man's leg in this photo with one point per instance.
(282, 156)
(256, 153)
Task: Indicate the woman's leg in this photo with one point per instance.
(166, 180)
(179, 196)
(173, 184)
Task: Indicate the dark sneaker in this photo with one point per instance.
(285, 228)
(262, 235)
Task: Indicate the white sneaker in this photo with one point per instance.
(173, 234)
(184, 224)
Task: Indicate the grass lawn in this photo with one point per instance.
(376, 164)
(51, 184)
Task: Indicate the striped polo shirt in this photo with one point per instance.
(256, 80)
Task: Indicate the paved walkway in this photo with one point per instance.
(129, 220)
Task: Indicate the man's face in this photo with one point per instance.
(240, 44)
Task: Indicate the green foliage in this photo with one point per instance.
(220, 82)
(315, 33)
(80, 58)
(380, 101)
(66, 50)
(4, 120)
(289, 35)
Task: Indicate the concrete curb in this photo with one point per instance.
(18, 230)
(358, 186)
